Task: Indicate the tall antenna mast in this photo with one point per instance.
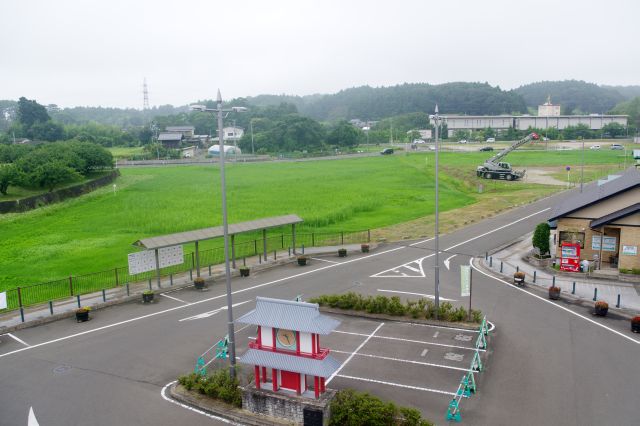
(145, 93)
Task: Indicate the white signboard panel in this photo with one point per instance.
(144, 261)
(3, 300)
(465, 280)
(170, 256)
(630, 250)
(609, 243)
(141, 261)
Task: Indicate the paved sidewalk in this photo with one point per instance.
(64, 308)
(585, 286)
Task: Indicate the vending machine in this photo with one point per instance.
(570, 257)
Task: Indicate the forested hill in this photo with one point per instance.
(369, 103)
(574, 96)
(629, 92)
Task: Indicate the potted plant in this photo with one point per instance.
(199, 283)
(554, 292)
(244, 271)
(147, 296)
(364, 248)
(82, 314)
(518, 278)
(302, 260)
(601, 308)
(635, 324)
(342, 252)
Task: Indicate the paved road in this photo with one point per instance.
(548, 363)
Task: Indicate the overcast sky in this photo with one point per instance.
(85, 52)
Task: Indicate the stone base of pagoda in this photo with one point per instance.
(287, 405)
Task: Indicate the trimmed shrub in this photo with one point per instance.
(218, 386)
(354, 408)
(420, 309)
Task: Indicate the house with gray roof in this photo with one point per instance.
(604, 219)
(287, 348)
(170, 140)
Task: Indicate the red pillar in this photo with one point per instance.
(257, 374)
(259, 338)
(316, 386)
(264, 374)
(313, 344)
(273, 338)
(298, 391)
(322, 384)
(274, 379)
(298, 342)
(318, 342)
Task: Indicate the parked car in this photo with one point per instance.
(486, 148)
(418, 141)
(491, 139)
(594, 147)
(462, 141)
(387, 151)
(616, 146)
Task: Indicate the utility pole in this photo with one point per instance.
(251, 125)
(436, 119)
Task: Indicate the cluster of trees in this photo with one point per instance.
(51, 164)
(632, 109)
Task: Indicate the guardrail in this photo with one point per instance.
(467, 386)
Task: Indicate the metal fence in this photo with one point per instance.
(25, 296)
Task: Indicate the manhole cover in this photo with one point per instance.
(62, 369)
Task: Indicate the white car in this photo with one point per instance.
(462, 141)
(491, 139)
(594, 147)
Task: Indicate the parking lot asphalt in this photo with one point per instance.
(547, 363)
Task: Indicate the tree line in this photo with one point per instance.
(48, 165)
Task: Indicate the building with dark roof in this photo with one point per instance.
(170, 140)
(604, 219)
(288, 345)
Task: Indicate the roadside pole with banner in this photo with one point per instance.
(3, 300)
(466, 284)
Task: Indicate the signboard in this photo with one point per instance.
(3, 300)
(609, 243)
(630, 250)
(465, 280)
(144, 261)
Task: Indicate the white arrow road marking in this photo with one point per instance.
(446, 261)
(424, 352)
(211, 313)
(398, 272)
(32, 421)
(426, 296)
(435, 335)
(411, 269)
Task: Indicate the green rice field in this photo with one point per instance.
(96, 231)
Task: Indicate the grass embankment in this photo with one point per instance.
(95, 232)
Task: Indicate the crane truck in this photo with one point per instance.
(493, 168)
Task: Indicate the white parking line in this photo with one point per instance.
(171, 297)
(324, 260)
(555, 304)
(354, 352)
(424, 352)
(115, 324)
(410, 341)
(212, 313)
(426, 296)
(397, 385)
(406, 361)
(195, 410)
(17, 339)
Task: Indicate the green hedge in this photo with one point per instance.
(421, 308)
(634, 271)
(351, 408)
(219, 386)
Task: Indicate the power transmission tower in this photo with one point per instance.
(145, 92)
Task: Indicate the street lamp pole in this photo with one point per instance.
(436, 119)
(251, 124)
(225, 231)
(225, 227)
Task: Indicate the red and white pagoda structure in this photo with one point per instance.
(287, 347)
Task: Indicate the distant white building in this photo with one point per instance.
(228, 150)
(231, 134)
(548, 109)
